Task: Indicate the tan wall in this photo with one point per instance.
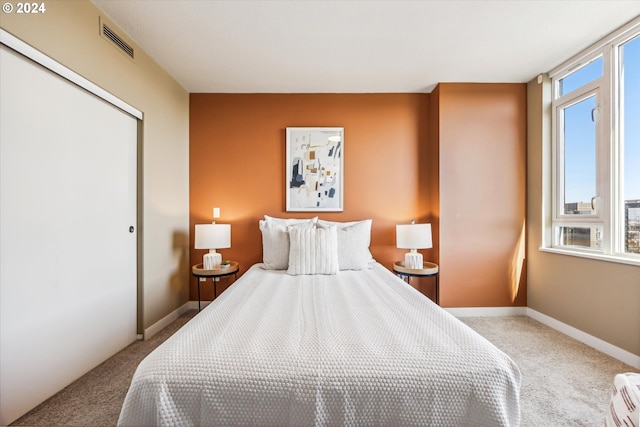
(238, 155)
(482, 193)
(597, 297)
(69, 32)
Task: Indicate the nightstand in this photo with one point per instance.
(428, 269)
(214, 274)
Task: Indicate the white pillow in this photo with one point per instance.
(342, 224)
(275, 241)
(354, 239)
(313, 250)
(289, 221)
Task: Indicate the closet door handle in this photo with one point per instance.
(131, 229)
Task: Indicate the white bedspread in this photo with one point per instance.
(356, 348)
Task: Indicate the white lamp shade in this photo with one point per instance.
(213, 236)
(413, 236)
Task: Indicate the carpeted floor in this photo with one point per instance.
(564, 382)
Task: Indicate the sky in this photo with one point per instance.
(580, 131)
(632, 120)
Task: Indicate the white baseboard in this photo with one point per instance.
(622, 355)
(487, 311)
(600, 345)
(166, 320)
(193, 305)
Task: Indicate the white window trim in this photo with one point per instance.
(591, 255)
(585, 56)
(589, 90)
(612, 245)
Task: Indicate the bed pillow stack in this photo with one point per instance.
(275, 240)
(313, 246)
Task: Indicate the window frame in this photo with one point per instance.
(609, 153)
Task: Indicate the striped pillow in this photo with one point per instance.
(313, 251)
(624, 407)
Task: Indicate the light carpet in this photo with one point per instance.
(564, 382)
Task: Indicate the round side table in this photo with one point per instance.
(214, 274)
(428, 269)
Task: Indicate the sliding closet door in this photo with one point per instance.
(67, 253)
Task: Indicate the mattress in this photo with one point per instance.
(355, 348)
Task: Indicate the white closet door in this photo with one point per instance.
(67, 256)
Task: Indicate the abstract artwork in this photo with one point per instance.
(315, 169)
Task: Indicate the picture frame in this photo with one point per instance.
(314, 169)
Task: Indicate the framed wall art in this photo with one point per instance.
(315, 169)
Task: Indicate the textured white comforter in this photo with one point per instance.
(356, 348)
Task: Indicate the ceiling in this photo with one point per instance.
(356, 46)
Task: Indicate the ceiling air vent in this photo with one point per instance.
(117, 40)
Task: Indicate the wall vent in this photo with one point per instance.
(109, 34)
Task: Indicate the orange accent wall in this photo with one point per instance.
(237, 157)
(481, 147)
(454, 158)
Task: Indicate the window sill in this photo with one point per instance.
(595, 256)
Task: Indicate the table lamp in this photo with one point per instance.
(212, 237)
(413, 236)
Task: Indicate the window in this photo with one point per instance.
(596, 150)
(629, 94)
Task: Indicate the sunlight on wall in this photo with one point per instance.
(517, 262)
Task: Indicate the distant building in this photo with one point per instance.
(586, 237)
(591, 237)
(632, 226)
(579, 208)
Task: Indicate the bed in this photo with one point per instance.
(358, 347)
